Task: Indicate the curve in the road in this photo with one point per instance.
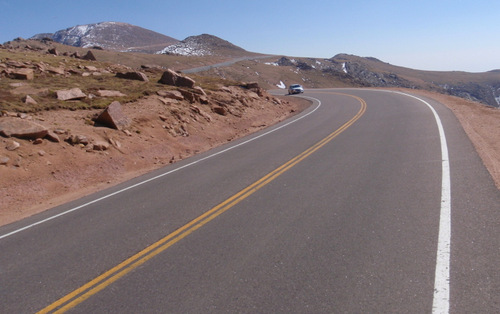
(83, 293)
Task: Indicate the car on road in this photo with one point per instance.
(295, 89)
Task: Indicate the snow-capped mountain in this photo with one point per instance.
(112, 36)
(202, 45)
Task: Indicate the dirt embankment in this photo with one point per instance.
(44, 175)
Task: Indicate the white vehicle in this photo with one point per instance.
(295, 89)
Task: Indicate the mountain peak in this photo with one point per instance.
(115, 36)
(203, 45)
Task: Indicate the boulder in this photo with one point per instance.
(78, 139)
(89, 56)
(22, 74)
(21, 128)
(100, 145)
(113, 117)
(188, 96)
(198, 90)
(91, 68)
(75, 55)
(52, 136)
(138, 76)
(4, 160)
(55, 70)
(53, 51)
(15, 64)
(70, 94)
(12, 145)
(29, 100)
(254, 86)
(220, 110)
(170, 77)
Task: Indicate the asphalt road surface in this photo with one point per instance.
(359, 204)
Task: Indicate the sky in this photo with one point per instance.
(437, 35)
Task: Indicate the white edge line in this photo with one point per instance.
(441, 301)
(163, 174)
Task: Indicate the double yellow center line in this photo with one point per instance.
(99, 283)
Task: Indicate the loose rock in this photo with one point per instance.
(22, 74)
(70, 94)
(12, 145)
(170, 77)
(21, 128)
(138, 76)
(113, 117)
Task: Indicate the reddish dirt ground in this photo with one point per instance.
(45, 175)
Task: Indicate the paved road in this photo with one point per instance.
(339, 211)
(223, 64)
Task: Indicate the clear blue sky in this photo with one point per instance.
(459, 35)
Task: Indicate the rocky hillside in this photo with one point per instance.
(111, 35)
(352, 71)
(204, 45)
(71, 125)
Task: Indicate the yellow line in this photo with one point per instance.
(99, 283)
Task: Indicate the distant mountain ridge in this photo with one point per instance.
(115, 36)
(342, 69)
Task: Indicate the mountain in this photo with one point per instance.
(342, 70)
(111, 36)
(481, 87)
(204, 45)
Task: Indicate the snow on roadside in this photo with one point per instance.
(281, 85)
(344, 68)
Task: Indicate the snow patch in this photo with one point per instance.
(281, 85)
(272, 63)
(82, 29)
(344, 68)
(186, 49)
